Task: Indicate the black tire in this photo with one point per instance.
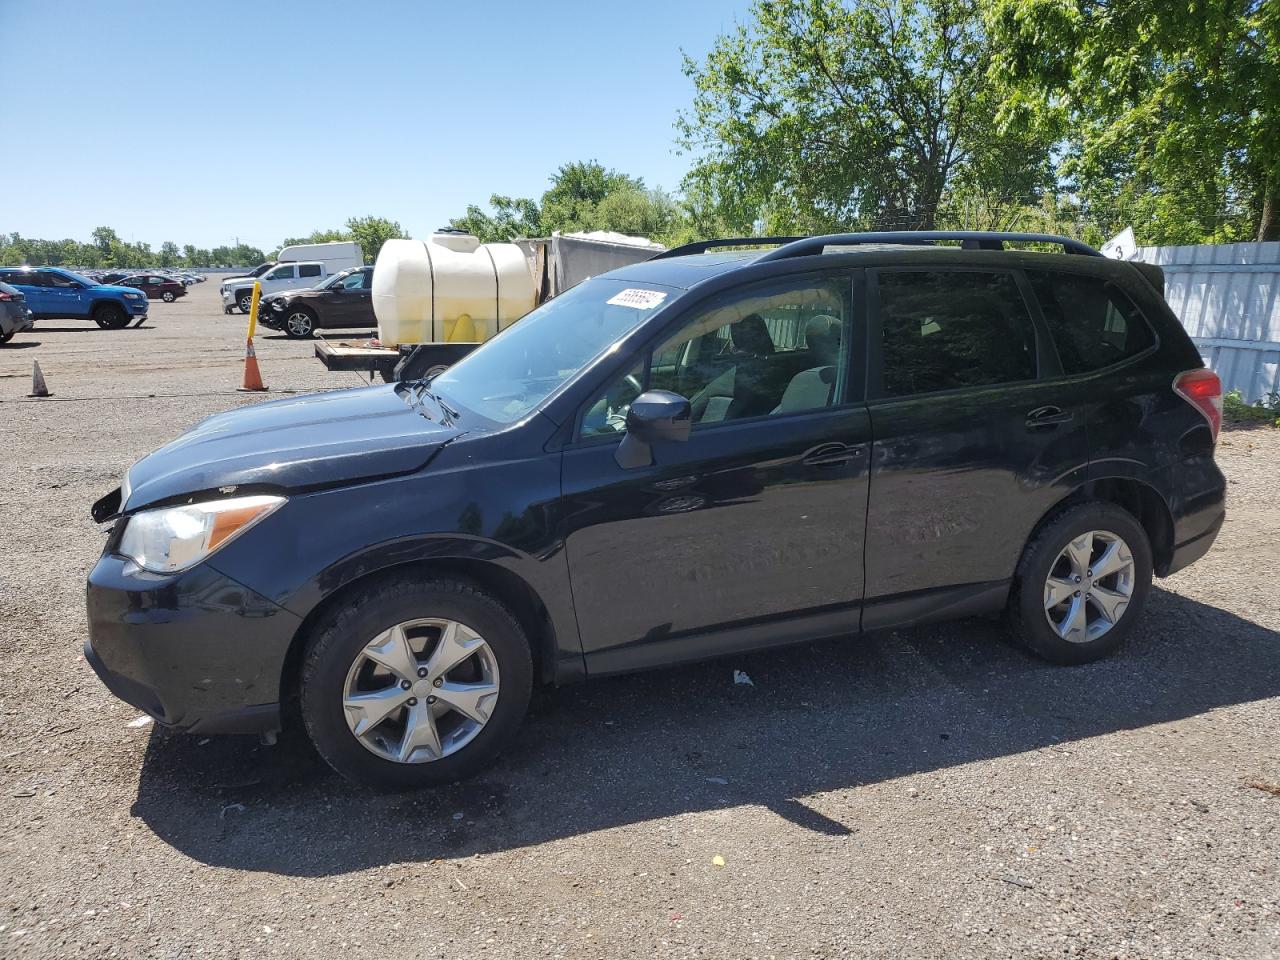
(1028, 620)
(244, 300)
(110, 316)
(168, 296)
(340, 636)
(294, 316)
(6, 337)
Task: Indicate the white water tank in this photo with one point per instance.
(450, 288)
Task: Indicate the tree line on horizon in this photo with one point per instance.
(1076, 117)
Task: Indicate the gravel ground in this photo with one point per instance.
(928, 793)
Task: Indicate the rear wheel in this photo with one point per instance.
(413, 683)
(168, 296)
(110, 316)
(299, 323)
(1081, 584)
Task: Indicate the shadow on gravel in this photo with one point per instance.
(632, 749)
(329, 333)
(20, 344)
(45, 328)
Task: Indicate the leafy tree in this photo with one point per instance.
(576, 192)
(104, 238)
(168, 254)
(512, 217)
(372, 232)
(823, 114)
(582, 196)
(1170, 111)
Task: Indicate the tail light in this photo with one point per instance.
(1203, 390)
(5, 296)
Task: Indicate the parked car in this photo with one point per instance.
(299, 267)
(156, 287)
(54, 293)
(699, 455)
(343, 300)
(14, 315)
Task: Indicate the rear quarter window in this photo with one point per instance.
(1093, 323)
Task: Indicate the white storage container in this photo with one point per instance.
(450, 288)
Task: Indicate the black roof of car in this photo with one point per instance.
(686, 266)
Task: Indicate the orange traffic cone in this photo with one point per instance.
(38, 386)
(252, 377)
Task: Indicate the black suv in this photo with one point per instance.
(713, 451)
(344, 300)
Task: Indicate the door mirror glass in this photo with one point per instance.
(653, 416)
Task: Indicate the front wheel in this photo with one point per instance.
(415, 682)
(1081, 584)
(299, 323)
(110, 316)
(244, 301)
(6, 337)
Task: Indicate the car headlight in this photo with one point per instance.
(133, 296)
(171, 539)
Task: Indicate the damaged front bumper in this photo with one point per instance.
(197, 651)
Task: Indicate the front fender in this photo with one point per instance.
(322, 542)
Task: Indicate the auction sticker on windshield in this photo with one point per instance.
(638, 299)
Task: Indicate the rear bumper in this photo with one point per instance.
(1198, 504)
(12, 322)
(199, 652)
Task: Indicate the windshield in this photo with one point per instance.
(515, 371)
(262, 268)
(330, 281)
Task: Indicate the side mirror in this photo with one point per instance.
(655, 415)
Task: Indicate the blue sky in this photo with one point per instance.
(202, 122)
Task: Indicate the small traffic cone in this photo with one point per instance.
(38, 387)
(252, 377)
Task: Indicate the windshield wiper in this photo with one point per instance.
(444, 404)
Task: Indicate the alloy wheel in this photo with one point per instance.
(299, 323)
(168, 296)
(421, 690)
(1089, 586)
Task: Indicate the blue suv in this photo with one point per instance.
(57, 294)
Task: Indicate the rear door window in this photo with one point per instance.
(309, 270)
(1093, 323)
(951, 329)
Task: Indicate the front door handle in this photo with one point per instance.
(830, 455)
(1049, 416)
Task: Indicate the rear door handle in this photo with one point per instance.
(1049, 416)
(830, 455)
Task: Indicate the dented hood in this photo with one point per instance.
(300, 443)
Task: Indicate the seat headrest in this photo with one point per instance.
(822, 335)
(750, 335)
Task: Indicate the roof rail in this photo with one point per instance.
(702, 246)
(970, 240)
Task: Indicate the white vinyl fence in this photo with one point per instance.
(1228, 299)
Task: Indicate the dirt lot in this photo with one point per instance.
(931, 793)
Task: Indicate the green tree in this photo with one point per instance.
(576, 192)
(822, 114)
(372, 232)
(511, 218)
(1170, 112)
(582, 196)
(168, 254)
